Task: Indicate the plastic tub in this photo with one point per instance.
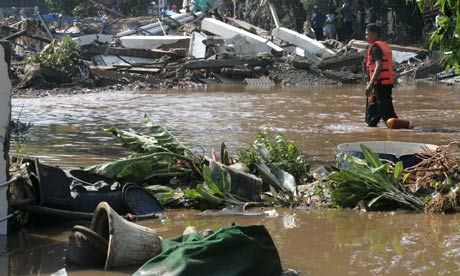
(387, 150)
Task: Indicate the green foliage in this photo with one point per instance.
(63, 6)
(309, 4)
(447, 35)
(278, 152)
(62, 57)
(158, 154)
(166, 195)
(372, 181)
(83, 8)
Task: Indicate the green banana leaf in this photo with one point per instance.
(156, 155)
(137, 142)
(165, 138)
(166, 195)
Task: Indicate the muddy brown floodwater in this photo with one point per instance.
(68, 131)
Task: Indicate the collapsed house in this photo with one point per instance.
(193, 48)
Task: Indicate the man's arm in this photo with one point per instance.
(375, 76)
(377, 56)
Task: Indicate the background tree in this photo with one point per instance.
(83, 8)
(76, 8)
(447, 34)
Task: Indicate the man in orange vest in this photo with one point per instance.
(379, 64)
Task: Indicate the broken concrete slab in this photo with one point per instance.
(248, 27)
(197, 47)
(302, 41)
(227, 31)
(400, 56)
(93, 39)
(154, 42)
(306, 54)
(241, 45)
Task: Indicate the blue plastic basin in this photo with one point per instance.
(387, 150)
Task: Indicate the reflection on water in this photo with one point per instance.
(69, 131)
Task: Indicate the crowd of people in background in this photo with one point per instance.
(343, 21)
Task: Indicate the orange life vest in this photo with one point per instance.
(386, 74)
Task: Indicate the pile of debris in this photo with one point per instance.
(186, 50)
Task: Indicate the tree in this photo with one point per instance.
(83, 8)
(78, 8)
(447, 34)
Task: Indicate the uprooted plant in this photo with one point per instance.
(280, 164)
(58, 55)
(158, 154)
(380, 185)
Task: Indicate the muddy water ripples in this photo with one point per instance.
(68, 131)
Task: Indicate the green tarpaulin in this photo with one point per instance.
(233, 250)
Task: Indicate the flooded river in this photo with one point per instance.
(69, 131)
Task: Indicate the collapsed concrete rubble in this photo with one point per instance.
(192, 49)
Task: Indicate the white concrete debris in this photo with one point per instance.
(197, 48)
(153, 42)
(302, 41)
(259, 44)
(92, 39)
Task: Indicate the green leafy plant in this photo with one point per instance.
(158, 154)
(447, 34)
(372, 181)
(276, 151)
(62, 57)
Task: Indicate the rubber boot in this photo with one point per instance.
(396, 123)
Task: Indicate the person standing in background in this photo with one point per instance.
(317, 19)
(347, 20)
(379, 63)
